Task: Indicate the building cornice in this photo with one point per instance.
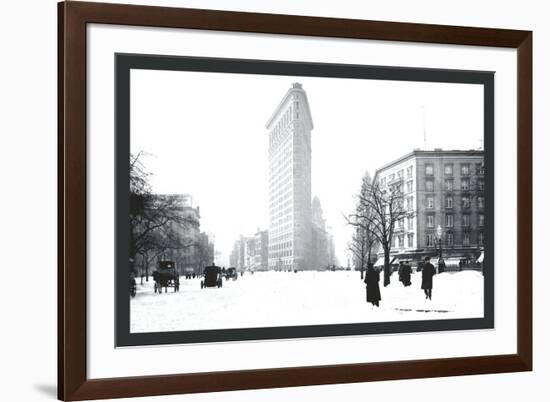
(439, 153)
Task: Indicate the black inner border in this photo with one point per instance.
(125, 62)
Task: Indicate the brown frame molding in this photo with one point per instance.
(73, 383)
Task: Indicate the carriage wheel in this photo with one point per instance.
(202, 284)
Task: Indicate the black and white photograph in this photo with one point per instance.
(244, 201)
(307, 200)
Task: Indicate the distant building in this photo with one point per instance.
(333, 260)
(261, 244)
(250, 253)
(198, 250)
(238, 257)
(235, 259)
(321, 253)
(443, 189)
(290, 228)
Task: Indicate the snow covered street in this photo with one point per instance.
(268, 299)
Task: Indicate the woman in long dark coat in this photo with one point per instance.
(428, 271)
(372, 277)
(406, 274)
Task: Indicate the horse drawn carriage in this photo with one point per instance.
(212, 277)
(166, 276)
(231, 273)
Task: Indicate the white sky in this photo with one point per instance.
(207, 135)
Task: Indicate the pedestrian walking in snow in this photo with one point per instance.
(440, 265)
(400, 271)
(372, 277)
(406, 272)
(428, 271)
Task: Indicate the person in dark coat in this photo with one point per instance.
(406, 272)
(428, 271)
(400, 271)
(372, 277)
(441, 265)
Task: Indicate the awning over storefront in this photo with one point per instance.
(481, 257)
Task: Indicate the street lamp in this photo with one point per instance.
(440, 262)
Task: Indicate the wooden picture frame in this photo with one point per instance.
(73, 382)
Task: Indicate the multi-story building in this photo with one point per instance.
(444, 195)
(250, 253)
(290, 228)
(320, 247)
(191, 249)
(236, 253)
(191, 257)
(261, 253)
(238, 258)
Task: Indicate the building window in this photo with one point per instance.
(429, 185)
(400, 174)
(409, 201)
(481, 202)
(480, 238)
(409, 186)
(466, 220)
(431, 221)
(448, 185)
(410, 240)
(430, 202)
(480, 169)
(449, 221)
(410, 222)
(430, 239)
(466, 239)
(465, 184)
(448, 169)
(392, 177)
(481, 185)
(481, 220)
(464, 170)
(410, 171)
(449, 202)
(401, 223)
(465, 202)
(401, 241)
(429, 170)
(450, 239)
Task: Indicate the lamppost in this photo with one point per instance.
(440, 262)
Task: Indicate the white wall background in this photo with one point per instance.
(28, 197)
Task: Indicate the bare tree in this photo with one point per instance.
(359, 249)
(379, 210)
(363, 239)
(157, 222)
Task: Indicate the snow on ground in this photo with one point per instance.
(269, 299)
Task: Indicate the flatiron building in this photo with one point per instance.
(290, 216)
